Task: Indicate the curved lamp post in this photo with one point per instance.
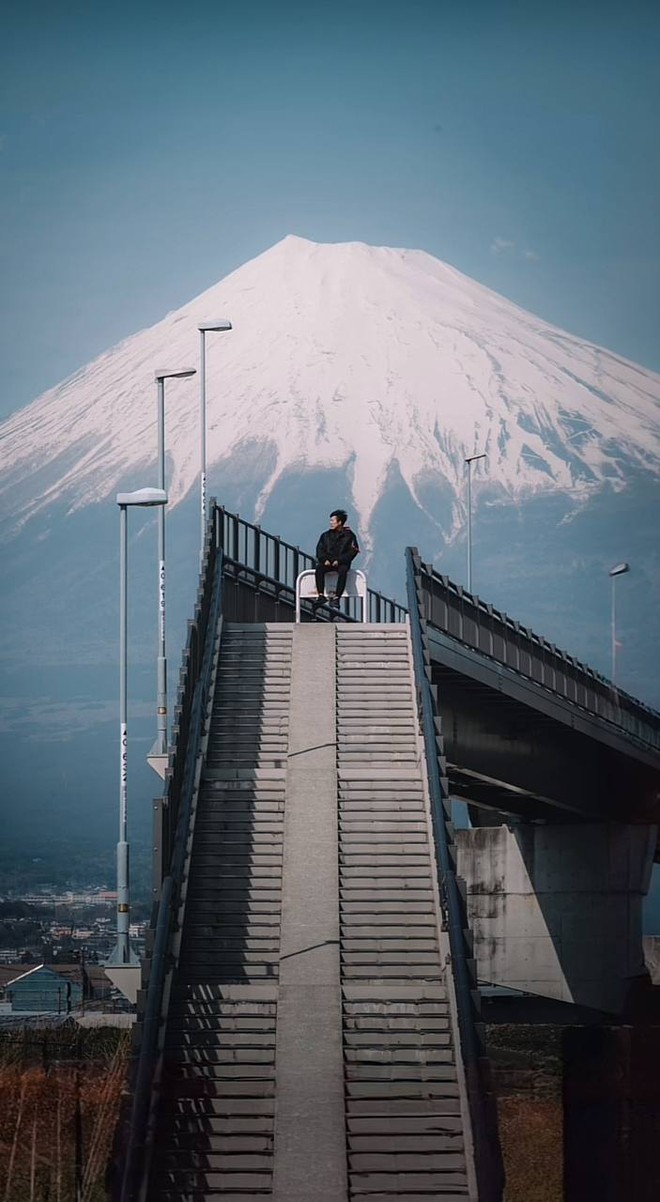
(157, 757)
(123, 954)
(205, 327)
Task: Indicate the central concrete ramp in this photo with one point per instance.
(310, 1048)
(309, 1111)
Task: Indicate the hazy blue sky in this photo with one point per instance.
(147, 149)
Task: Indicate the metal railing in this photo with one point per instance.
(269, 566)
(451, 609)
(268, 562)
(481, 1099)
(172, 820)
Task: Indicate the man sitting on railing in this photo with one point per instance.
(335, 552)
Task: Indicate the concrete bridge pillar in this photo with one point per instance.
(556, 910)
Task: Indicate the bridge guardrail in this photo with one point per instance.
(277, 563)
(481, 1100)
(272, 564)
(172, 820)
(451, 609)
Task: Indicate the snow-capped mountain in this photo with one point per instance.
(354, 375)
(348, 357)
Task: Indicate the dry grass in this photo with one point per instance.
(56, 1128)
(531, 1136)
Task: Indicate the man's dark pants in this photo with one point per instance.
(342, 573)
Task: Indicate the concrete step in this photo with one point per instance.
(397, 805)
(388, 946)
(379, 757)
(434, 1125)
(383, 926)
(220, 1143)
(383, 829)
(410, 1108)
(235, 836)
(182, 1184)
(232, 907)
(410, 860)
(219, 1038)
(384, 1086)
(245, 1016)
(387, 974)
(376, 773)
(419, 1030)
(209, 1081)
(258, 798)
(241, 861)
(216, 948)
(231, 892)
(391, 963)
(265, 928)
(381, 796)
(266, 775)
(383, 908)
(216, 1126)
(400, 840)
(236, 1061)
(209, 951)
(230, 1161)
(378, 876)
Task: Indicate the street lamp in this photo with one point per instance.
(157, 757)
(619, 569)
(469, 461)
(205, 328)
(123, 954)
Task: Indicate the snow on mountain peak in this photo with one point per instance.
(343, 356)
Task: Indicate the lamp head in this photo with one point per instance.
(221, 324)
(473, 458)
(619, 569)
(163, 373)
(143, 496)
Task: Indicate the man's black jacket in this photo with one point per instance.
(338, 546)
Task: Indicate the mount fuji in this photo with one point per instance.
(354, 375)
(349, 357)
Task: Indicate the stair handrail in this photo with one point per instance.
(247, 546)
(483, 1115)
(182, 778)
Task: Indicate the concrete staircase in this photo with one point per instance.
(404, 1114)
(309, 1047)
(215, 1128)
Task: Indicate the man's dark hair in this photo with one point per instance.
(341, 515)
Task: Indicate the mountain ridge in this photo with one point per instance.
(350, 357)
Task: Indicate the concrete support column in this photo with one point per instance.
(556, 910)
(310, 1137)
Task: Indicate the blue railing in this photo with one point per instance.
(481, 1100)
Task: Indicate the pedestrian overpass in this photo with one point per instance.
(309, 1023)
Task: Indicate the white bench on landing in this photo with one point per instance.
(356, 586)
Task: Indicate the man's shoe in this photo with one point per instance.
(318, 601)
(334, 602)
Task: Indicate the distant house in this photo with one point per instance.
(55, 988)
(44, 990)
